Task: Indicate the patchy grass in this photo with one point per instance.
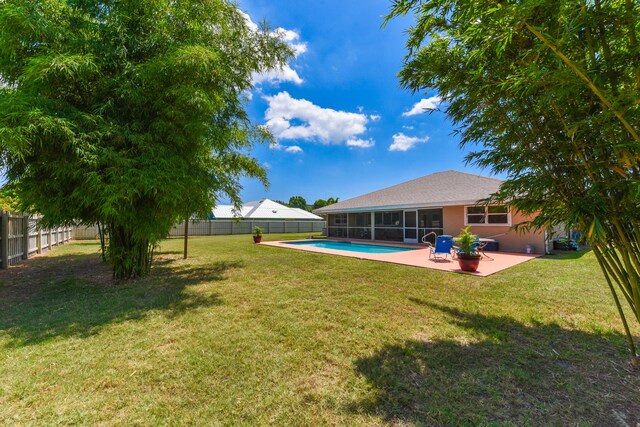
(248, 334)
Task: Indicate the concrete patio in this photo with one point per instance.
(420, 258)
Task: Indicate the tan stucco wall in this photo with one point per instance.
(509, 239)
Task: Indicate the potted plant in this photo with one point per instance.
(257, 234)
(468, 256)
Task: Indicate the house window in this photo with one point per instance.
(388, 219)
(487, 215)
(340, 219)
(498, 215)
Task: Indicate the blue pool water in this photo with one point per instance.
(353, 247)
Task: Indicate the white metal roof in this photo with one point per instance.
(263, 209)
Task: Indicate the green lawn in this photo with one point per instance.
(254, 335)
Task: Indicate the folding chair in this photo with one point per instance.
(442, 247)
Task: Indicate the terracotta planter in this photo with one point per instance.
(468, 262)
(257, 239)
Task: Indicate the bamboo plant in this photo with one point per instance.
(546, 93)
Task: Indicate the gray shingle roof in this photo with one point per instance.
(438, 189)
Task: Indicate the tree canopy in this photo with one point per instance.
(9, 200)
(320, 203)
(297, 202)
(130, 114)
(546, 92)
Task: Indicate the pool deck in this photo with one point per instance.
(419, 257)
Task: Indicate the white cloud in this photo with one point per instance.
(286, 73)
(293, 149)
(252, 25)
(408, 127)
(248, 95)
(290, 118)
(360, 143)
(375, 117)
(423, 106)
(402, 142)
(292, 38)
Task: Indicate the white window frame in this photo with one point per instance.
(486, 217)
(340, 224)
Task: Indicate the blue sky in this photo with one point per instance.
(343, 123)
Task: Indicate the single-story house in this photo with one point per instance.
(264, 209)
(443, 202)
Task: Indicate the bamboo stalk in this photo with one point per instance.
(595, 89)
(616, 274)
(632, 347)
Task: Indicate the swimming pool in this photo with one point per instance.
(352, 247)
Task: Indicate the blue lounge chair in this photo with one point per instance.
(441, 249)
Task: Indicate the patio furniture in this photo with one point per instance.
(442, 248)
(491, 245)
(478, 246)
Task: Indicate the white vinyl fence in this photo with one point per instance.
(223, 227)
(20, 237)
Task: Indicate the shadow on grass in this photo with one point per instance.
(508, 372)
(81, 243)
(565, 255)
(73, 295)
(168, 252)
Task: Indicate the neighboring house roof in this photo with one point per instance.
(263, 209)
(438, 189)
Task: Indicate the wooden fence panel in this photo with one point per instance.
(15, 238)
(34, 234)
(222, 227)
(276, 227)
(21, 237)
(86, 233)
(44, 239)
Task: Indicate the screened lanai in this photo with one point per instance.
(387, 225)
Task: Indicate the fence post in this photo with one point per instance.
(25, 237)
(49, 241)
(39, 240)
(4, 242)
